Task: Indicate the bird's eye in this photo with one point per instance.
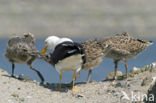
(47, 56)
(45, 43)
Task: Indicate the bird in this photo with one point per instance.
(124, 47)
(22, 50)
(66, 56)
(94, 54)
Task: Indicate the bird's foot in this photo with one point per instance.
(44, 83)
(13, 75)
(75, 90)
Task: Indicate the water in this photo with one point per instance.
(50, 74)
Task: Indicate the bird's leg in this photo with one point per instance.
(115, 70)
(60, 79)
(73, 88)
(126, 67)
(13, 68)
(78, 75)
(89, 75)
(39, 74)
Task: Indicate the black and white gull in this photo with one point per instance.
(66, 56)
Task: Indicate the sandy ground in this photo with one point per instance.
(28, 91)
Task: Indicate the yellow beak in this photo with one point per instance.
(44, 50)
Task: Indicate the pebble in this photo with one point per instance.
(134, 69)
(79, 96)
(153, 67)
(146, 81)
(111, 75)
(122, 84)
(23, 77)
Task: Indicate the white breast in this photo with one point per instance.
(72, 63)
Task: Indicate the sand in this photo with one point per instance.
(13, 90)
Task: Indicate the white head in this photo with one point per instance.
(52, 41)
(64, 40)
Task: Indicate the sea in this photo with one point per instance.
(99, 73)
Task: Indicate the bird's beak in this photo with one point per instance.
(44, 50)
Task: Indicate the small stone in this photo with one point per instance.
(117, 94)
(109, 90)
(23, 77)
(122, 84)
(111, 75)
(15, 95)
(79, 96)
(153, 67)
(146, 81)
(135, 69)
(22, 99)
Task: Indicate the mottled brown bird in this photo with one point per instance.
(94, 52)
(22, 50)
(124, 47)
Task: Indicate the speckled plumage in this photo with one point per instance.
(93, 52)
(22, 50)
(94, 55)
(124, 46)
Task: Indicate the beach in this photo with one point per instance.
(29, 91)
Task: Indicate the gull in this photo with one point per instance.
(66, 56)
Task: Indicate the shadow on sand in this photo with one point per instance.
(51, 86)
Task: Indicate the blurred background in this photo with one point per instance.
(80, 20)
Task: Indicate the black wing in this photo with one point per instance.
(66, 49)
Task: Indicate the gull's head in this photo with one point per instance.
(52, 41)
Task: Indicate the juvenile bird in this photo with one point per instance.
(22, 50)
(124, 47)
(94, 52)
